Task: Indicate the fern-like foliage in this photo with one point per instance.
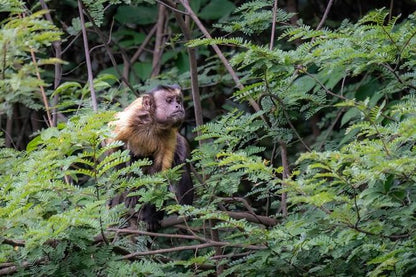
(254, 17)
(352, 206)
(19, 36)
(274, 197)
(54, 195)
(354, 187)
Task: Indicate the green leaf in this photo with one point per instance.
(352, 113)
(33, 144)
(143, 70)
(217, 9)
(66, 87)
(141, 15)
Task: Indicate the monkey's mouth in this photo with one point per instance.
(178, 113)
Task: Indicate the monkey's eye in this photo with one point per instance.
(169, 100)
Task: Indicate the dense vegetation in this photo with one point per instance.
(303, 129)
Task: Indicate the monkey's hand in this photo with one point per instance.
(131, 201)
(151, 216)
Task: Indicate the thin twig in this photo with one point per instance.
(106, 42)
(70, 44)
(13, 242)
(192, 247)
(391, 9)
(285, 175)
(323, 19)
(128, 62)
(259, 219)
(193, 67)
(153, 234)
(157, 50)
(357, 210)
(172, 7)
(283, 148)
(245, 203)
(42, 90)
(58, 66)
(273, 25)
(340, 112)
(139, 51)
(341, 96)
(388, 67)
(87, 58)
(286, 114)
(401, 51)
(390, 38)
(215, 236)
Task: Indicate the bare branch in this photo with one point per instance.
(286, 174)
(171, 6)
(273, 25)
(87, 57)
(42, 90)
(106, 42)
(191, 247)
(391, 9)
(13, 242)
(145, 233)
(193, 67)
(157, 50)
(58, 67)
(328, 8)
(139, 51)
(10, 268)
(253, 218)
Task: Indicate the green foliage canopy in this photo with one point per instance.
(350, 196)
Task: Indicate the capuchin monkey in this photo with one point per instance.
(149, 128)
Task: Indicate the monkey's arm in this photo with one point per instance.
(184, 190)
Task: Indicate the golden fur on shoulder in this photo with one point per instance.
(138, 129)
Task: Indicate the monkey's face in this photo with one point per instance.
(169, 109)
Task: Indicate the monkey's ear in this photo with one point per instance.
(147, 102)
(144, 112)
